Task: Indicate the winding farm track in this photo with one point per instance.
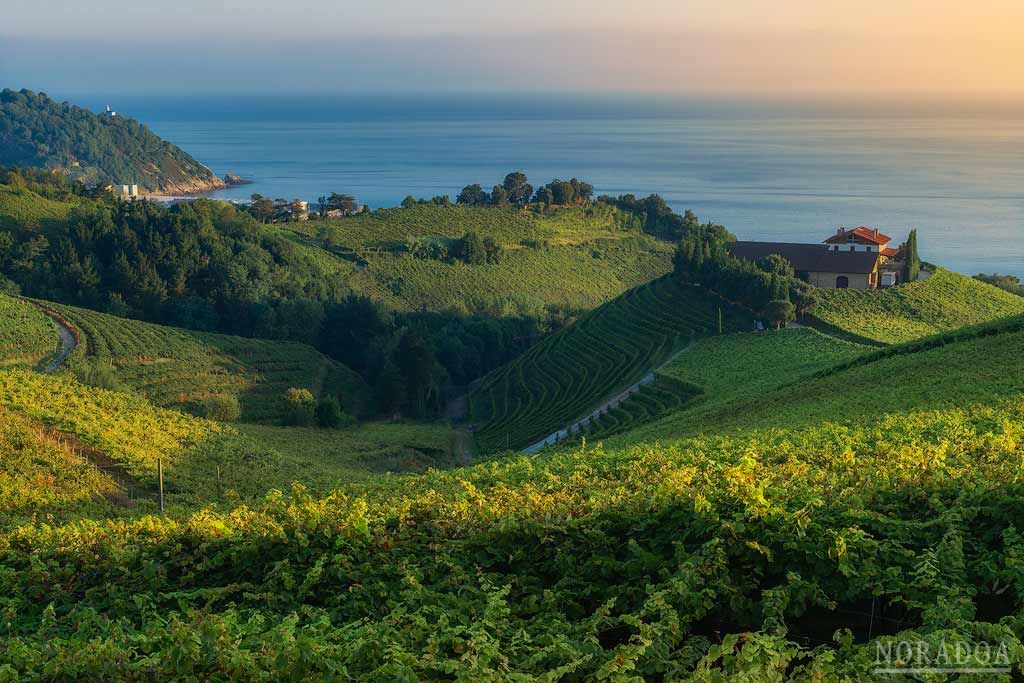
(67, 339)
(604, 407)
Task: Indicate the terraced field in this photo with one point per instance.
(27, 336)
(569, 373)
(651, 401)
(174, 367)
(943, 302)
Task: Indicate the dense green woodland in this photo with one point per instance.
(36, 131)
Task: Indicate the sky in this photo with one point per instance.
(787, 48)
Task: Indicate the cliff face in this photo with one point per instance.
(96, 148)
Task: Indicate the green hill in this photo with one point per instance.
(180, 368)
(93, 452)
(578, 257)
(27, 336)
(943, 302)
(798, 378)
(36, 131)
(571, 372)
(44, 476)
(21, 208)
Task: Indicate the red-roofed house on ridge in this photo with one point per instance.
(858, 258)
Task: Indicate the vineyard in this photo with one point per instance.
(23, 209)
(943, 302)
(784, 555)
(44, 477)
(566, 375)
(180, 368)
(579, 277)
(391, 228)
(650, 402)
(949, 371)
(124, 427)
(27, 336)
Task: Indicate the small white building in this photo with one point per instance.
(127, 191)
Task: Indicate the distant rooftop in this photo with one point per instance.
(870, 234)
(808, 257)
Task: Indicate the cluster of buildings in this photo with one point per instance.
(858, 258)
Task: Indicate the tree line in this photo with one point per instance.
(768, 287)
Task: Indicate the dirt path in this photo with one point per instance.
(604, 407)
(66, 336)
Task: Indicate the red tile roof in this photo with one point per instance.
(889, 251)
(870, 234)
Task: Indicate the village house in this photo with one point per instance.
(860, 258)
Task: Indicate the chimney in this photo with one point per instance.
(876, 232)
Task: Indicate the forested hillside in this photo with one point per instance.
(36, 131)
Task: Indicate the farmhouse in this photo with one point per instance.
(850, 259)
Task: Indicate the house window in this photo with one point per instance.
(842, 282)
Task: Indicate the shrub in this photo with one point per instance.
(329, 414)
(99, 375)
(299, 407)
(222, 408)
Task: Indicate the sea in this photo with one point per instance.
(766, 170)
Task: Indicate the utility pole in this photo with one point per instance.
(160, 476)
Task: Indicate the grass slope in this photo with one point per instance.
(23, 209)
(27, 336)
(179, 368)
(569, 373)
(943, 302)
(981, 364)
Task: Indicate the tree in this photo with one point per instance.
(329, 414)
(345, 203)
(472, 195)
(1010, 283)
(262, 208)
(779, 312)
(545, 196)
(518, 190)
(913, 260)
(804, 298)
(223, 408)
(499, 196)
(409, 202)
(473, 250)
(492, 249)
(299, 406)
(776, 264)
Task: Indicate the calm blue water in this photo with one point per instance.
(766, 172)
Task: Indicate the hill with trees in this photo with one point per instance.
(36, 131)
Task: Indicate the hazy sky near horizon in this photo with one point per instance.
(756, 47)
